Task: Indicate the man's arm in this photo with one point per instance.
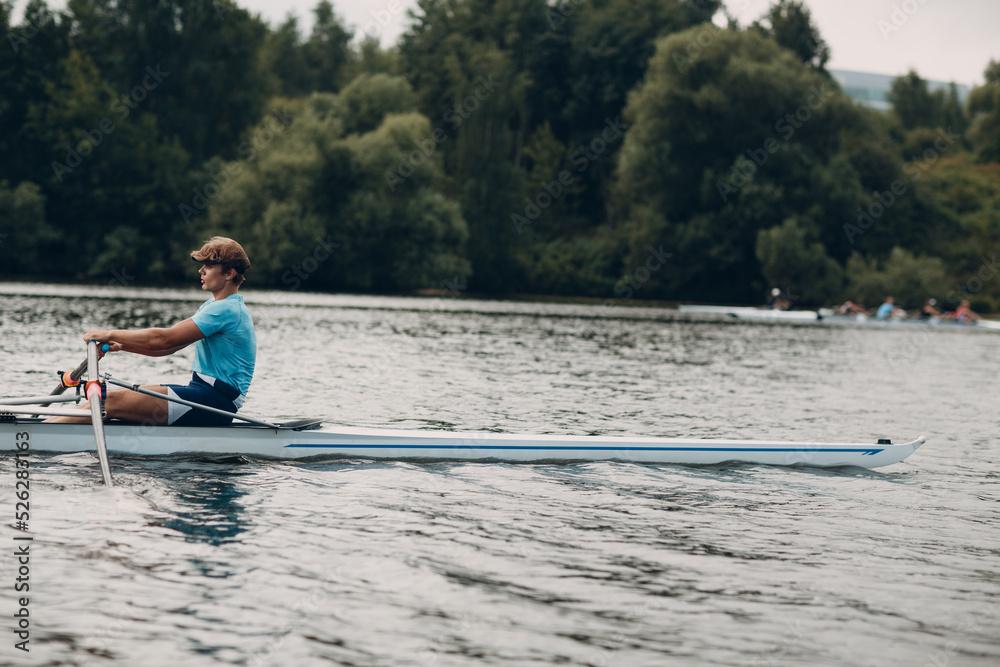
(154, 342)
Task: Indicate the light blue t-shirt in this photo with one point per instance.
(228, 351)
(884, 311)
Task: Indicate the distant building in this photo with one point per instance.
(872, 89)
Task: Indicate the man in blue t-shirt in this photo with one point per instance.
(887, 309)
(224, 356)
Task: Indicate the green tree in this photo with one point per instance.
(369, 98)
(214, 82)
(285, 58)
(984, 107)
(485, 154)
(328, 50)
(913, 102)
(30, 62)
(106, 173)
(567, 66)
(799, 267)
(719, 150)
(967, 195)
(953, 116)
(583, 68)
(790, 24)
(315, 205)
(908, 278)
(27, 241)
(373, 59)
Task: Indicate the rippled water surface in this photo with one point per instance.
(194, 561)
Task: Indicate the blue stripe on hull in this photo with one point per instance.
(865, 452)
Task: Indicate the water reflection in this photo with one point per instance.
(206, 498)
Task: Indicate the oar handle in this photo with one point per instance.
(77, 373)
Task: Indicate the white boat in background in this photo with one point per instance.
(339, 441)
(750, 313)
(829, 316)
(860, 319)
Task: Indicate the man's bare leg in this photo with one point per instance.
(128, 406)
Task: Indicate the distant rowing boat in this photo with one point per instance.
(750, 313)
(828, 316)
(339, 441)
(861, 320)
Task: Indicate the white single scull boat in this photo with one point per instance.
(340, 441)
(751, 313)
(308, 438)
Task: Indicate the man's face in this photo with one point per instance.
(213, 278)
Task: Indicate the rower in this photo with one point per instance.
(888, 310)
(965, 314)
(225, 349)
(929, 311)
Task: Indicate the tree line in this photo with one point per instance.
(617, 149)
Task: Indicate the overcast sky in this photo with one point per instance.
(943, 40)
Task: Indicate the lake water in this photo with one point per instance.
(194, 561)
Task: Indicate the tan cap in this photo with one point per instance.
(227, 252)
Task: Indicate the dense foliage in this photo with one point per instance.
(619, 149)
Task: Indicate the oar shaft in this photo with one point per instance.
(31, 400)
(48, 412)
(97, 413)
(190, 404)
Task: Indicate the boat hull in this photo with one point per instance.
(336, 441)
(749, 313)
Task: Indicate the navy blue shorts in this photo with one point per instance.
(199, 391)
